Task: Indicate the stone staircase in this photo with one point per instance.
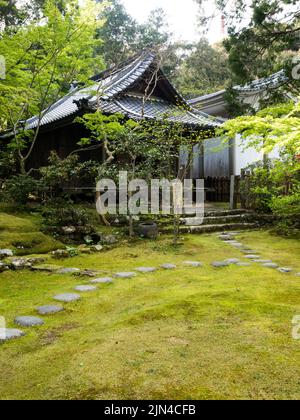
(217, 221)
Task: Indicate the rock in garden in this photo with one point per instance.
(232, 261)
(242, 264)
(49, 309)
(298, 274)
(125, 275)
(67, 297)
(226, 237)
(252, 257)
(168, 266)
(146, 269)
(60, 254)
(97, 248)
(20, 263)
(103, 280)
(3, 267)
(259, 261)
(68, 271)
(285, 270)
(109, 239)
(4, 253)
(87, 273)
(270, 265)
(29, 321)
(220, 264)
(237, 245)
(69, 230)
(193, 264)
(48, 268)
(7, 334)
(85, 288)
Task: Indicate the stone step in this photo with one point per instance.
(216, 220)
(213, 228)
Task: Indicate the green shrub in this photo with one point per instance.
(63, 213)
(18, 189)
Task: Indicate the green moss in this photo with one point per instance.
(187, 334)
(22, 234)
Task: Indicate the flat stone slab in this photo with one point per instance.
(298, 275)
(226, 237)
(233, 261)
(259, 261)
(252, 257)
(248, 251)
(168, 266)
(67, 297)
(103, 280)
(146, 269)
(219, 264)
(29, 321)
(49, 309)
(285, 270)
(243, 264)
(7, 334)
(237, 245)
(125, 275)
(85, 288)
(68, 271)
(270, 265)
(193, 263)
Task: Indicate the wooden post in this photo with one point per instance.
(233, 195)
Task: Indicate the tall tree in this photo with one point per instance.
(122, 36)
(263, 35)
(204, 70)
(42, 59)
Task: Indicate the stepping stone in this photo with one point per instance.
(220, 264)
(252, 257)
(226, 237)
(168, 266)
(85, 288)
(49, 309)
(193, 264)
(232, 261)
(47, 268)
(7, 334)
(125, 275)
(285, 270)
(104, 280)
(68, 271)
(270, 265)
(146, 269)
(242, 264)
(263, 261)
(87, 273)
(29, 321)
(67, 297)
(248, 251)
(298, 275)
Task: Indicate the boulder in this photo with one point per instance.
(68, 230)
(5, 253)
(60, 254)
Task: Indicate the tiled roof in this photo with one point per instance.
(257, 86)
(112, 88)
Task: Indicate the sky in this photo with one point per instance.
(182, 17)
